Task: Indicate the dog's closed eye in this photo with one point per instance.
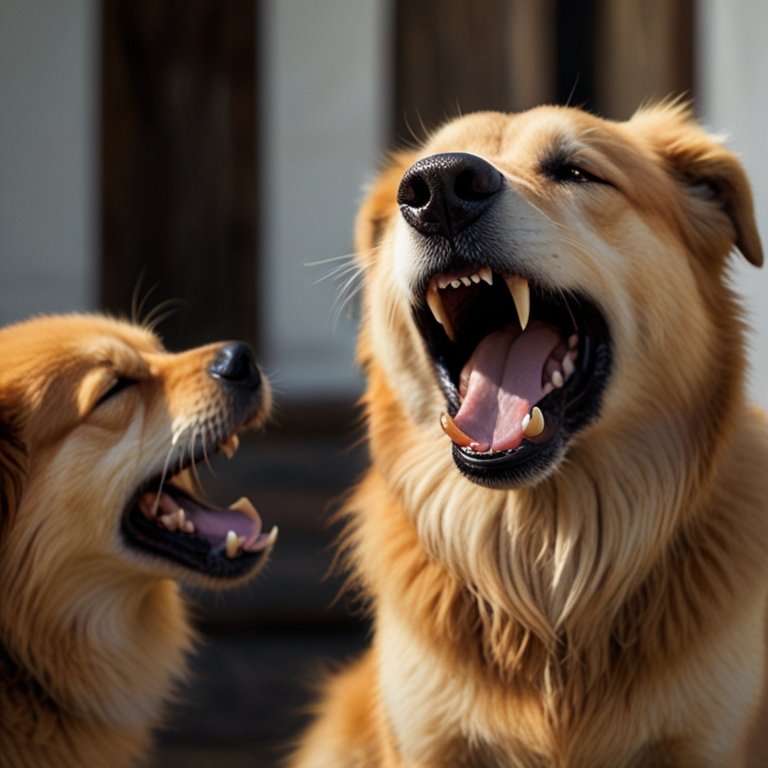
(119, 384)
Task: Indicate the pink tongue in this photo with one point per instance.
(211, 524)
(504, 380)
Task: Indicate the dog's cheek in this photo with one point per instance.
(393, 343)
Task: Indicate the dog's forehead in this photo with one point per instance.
(52, 347)
(525, 135)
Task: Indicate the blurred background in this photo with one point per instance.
(212, 153)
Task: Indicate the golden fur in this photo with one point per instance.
(92, 634)
(611, 613)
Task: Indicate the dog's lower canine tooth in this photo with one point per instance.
(569, 364)
(435, 302)
(521, 296)
(535, 425)
(457, 436)
(232, 544)
(557, 379)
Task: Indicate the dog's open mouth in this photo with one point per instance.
(522, 369)
(171, 522)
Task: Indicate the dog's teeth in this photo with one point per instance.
(533, 425)
(466, 281)
(455, 283)
(521, 296)
(486, 275)
(243, 504)
(557, 379)
(475, 278)
(233, 544)
(169, 522)
(148, 506)
(573, 341)
(181, 518)
(548, 387)
(457, 436)
(230, 446)
(435, 302)
(188, 527)
(569, 364)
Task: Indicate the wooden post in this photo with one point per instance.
(178, 171)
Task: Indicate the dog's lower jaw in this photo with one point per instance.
(104, 671)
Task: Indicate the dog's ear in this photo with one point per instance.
(714, 177)
(380, 202)
(13, 467)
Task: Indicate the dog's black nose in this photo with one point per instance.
(236, 364)
(442, 194)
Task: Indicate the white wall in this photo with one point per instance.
(733, 73)
(47, 156)
(324, 114)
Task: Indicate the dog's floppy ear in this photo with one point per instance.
(714, 176)
(380, 202)
(13, 465)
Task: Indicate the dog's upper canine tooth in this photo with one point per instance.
(521, 296)
(533, 426)
(486, 275)
(229, 447)
(435, 302)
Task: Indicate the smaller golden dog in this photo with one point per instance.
(99, 426)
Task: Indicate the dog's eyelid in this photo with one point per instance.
(119, 383)
(569, 167)
(572, 172)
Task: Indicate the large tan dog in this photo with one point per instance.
(96, 421)
(576, 575)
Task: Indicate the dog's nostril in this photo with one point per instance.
(477, 183)
(236, 363)
(442, 194)
(414, 192)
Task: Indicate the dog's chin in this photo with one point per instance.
(523, 369)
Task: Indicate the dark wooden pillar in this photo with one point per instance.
(452, 56)
(644, 51)
(178, 183)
